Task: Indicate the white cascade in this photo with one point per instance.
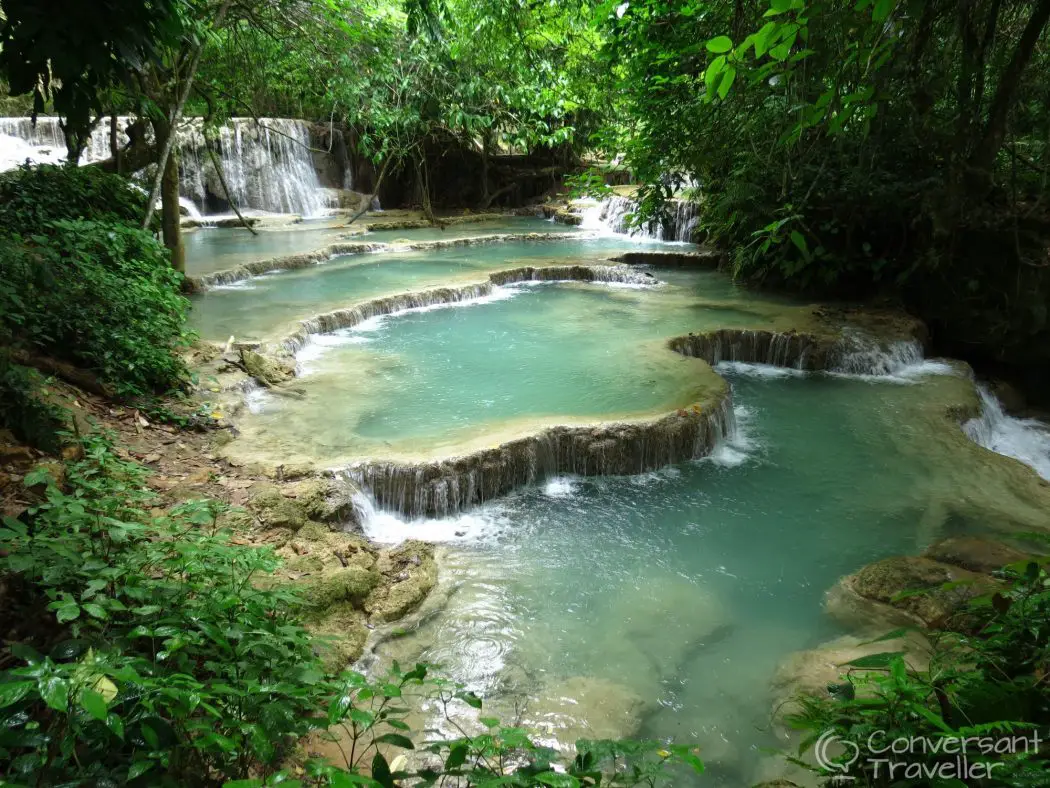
(268, 164)
(1027, 440)
(614, 214)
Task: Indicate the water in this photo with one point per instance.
(431, 381)
(1027, 440)
(684, 589)
(267, 305)
(213, 249)
(658, 604)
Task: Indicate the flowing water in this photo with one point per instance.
(657, 604)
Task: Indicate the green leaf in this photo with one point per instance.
(139, 768)
(882, 10)
(14, 691)
(727, 82)
(800, 242)
(470, 699)
(67, 611)
(95, 610)
(719, 45)
(94, 704)
(381, 771)
(397, 740)
(457, 756)
(880, 660)
(55, 692)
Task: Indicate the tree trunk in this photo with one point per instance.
(486, 200)
(983, 159)
(171, 230)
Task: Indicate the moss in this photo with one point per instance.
(267, 370)
(351, 584)
(236, 519)
(275, 510)
(314, 532)
(409, 573)
(340, 636)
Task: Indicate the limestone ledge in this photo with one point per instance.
(306, 259)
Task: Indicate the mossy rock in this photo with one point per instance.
(975, 553)
(269, 371)
(236, 519)
(274, 510)
(314, 532)
(409, 574)
(938, 607)
(349, 584)
(324, 500)
(340, 636)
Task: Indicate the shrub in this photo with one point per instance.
(148, 650)
(31, 197)
(100, 296)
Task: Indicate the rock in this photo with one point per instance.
(274, 510)
(352, 584)
(268, 370)
(813, 671)
(1012, 398)
(324, 500)
(974, 553)
(340, 636)
(410, 572)
(236, 519)
(939, 608)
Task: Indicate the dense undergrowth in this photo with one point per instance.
(81, 285)
(976, 715)
(146, 649)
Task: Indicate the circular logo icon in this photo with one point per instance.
(830, 749)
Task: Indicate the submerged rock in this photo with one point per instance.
(583, 707)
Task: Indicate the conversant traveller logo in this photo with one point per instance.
(884, 756)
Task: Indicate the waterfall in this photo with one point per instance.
(860, 354)
(614, 213)
(268, 165)
(1027, 440)
(444, 487)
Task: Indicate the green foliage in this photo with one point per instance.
(848, 148)
(98, 295)
(985, 682)
(22, 409)
(71, 52)
(149, 650)
(31, 197)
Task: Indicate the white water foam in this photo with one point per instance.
(560, 487)
(478, 525)
(1027, 440)
(766, 371)
(318, 345)
(739, 446)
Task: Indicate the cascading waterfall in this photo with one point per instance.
(1027, 440)
(268, 165)
(613, 213)
(856, 353)
(445, 487)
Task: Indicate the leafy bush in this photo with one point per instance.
(149, 650)
(31, 197)
(986, 682)
(99, 295)
(23, 411)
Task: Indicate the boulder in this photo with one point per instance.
(938, 608)
(409, 573)
(268, 370)
(339, 636)
(974, 553)
(323, 500)
(349, 584)
(275, 510)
